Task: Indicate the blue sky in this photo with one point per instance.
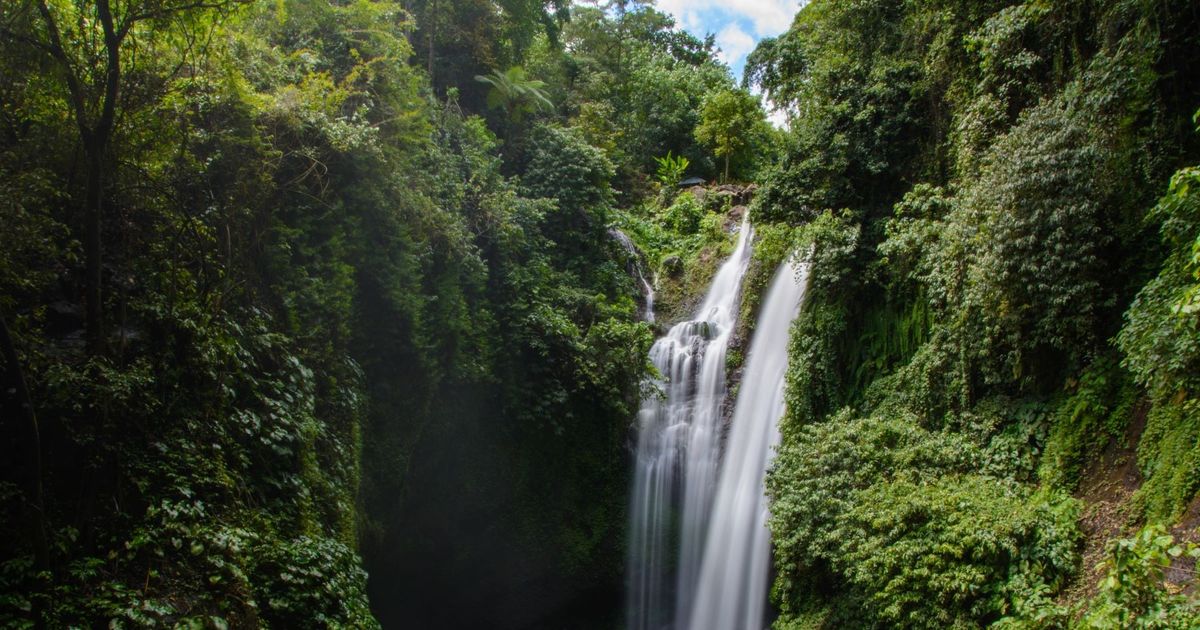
(738, 24)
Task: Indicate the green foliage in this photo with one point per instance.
(516, 94)
(923, 254)
(1087, 420)
(454, 41)
(306, 581)
(995, 162)
(1039, 236)
(1169, 459)
(683, 215)
(773, 243)
(946, 564)
(860, 128)
(1160, 338)
(316, 275)
(684, 244)
(564, 167)
(815, 365)
(888, 514)
(614, 66)
(671, 169)
(1132, 594)
(727, 121)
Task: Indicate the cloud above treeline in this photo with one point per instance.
(737, 24)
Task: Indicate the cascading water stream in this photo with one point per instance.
(636, 256)
(732, 589)
(648, 295)
(678, 450)
(700, 549)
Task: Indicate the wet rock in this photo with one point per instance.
(733, 220)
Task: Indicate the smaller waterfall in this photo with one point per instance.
(636, 255)
(732, 590)
(648, 315)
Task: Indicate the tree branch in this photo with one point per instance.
(112, 72)
(55, 47)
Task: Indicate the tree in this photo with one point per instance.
(726, 121)
(456, 40)
(515, 93)
(89, 55)
(778, 66)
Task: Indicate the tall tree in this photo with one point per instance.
(726, 121)
(89, 43)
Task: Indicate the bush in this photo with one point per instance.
(1037, 280)
(940, 553)
(1161, 336)
(684, 214)
(1161, 342)
(888, 515)
(1086, 420)
(1133, 594)
(310, 581)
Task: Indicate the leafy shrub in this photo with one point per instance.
(922, 248)
(1133, 594)
(671, 169)
(1037, 279)
(1086, 420)
(1169, 458)
(891, 513)
(940, 553)
(1161, 342)
(1161, 336)
(307, 581)
(684, 214)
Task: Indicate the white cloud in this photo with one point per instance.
(765, 17)
(738, 24)
(685, 15)
(735, 43)
(778, 118)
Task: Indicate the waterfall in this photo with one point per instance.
(635, 255)
(648, 315)
(732, 590)
(678, 449)
(699, 555)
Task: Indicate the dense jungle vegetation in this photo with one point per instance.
(321, 313)
(296, 292)
(995, 373)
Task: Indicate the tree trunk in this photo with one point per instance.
(726, 179)
(432, 25)
(95, 144)
(93, 276)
